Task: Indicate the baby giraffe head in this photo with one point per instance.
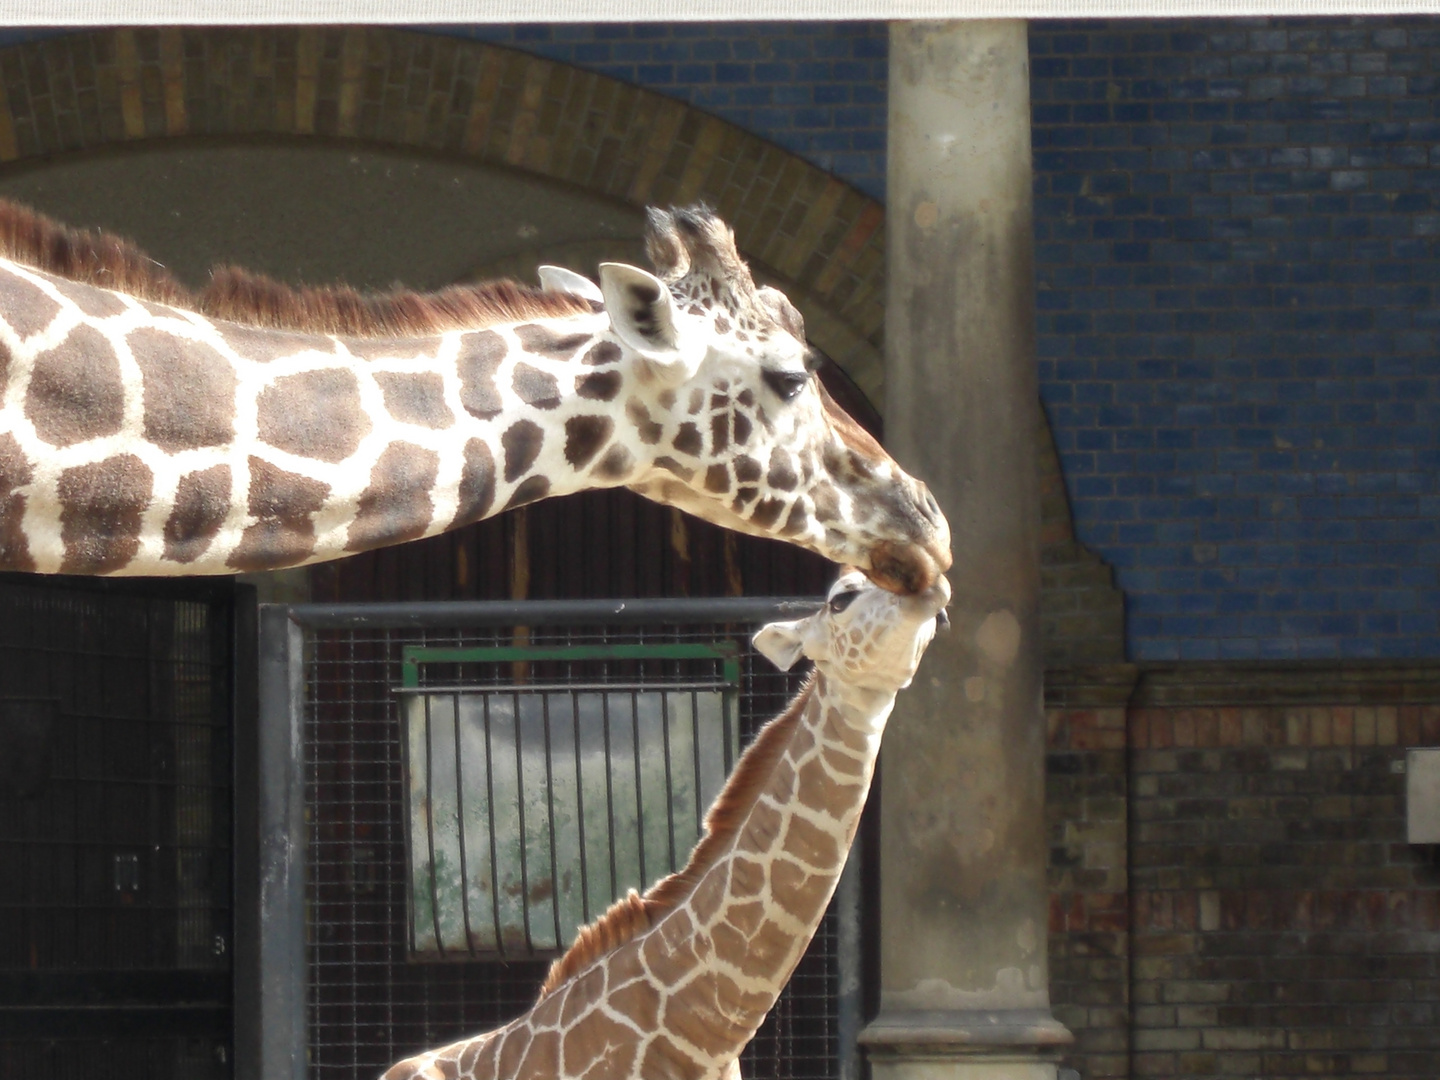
(864, 636)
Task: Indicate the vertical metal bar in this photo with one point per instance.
(639, 786)
(695, 740)
(279, 1042)
(550, 812)
(580, 811)
(669, 778)
(520, 800)
(490, 807)
(460, 824)
(430, 833)
(609, 791)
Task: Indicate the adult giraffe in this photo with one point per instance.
(672, 985)
(147, 430)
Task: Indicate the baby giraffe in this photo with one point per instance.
(671, 985)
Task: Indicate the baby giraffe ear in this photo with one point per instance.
(643, 315)
(558, 279)
(782, 643)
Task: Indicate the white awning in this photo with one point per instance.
(418, 12)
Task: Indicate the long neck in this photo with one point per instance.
(137, 439)
(729, 950)
(682, 998)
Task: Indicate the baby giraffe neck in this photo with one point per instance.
(683, 997)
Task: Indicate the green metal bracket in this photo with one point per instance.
(412, 656)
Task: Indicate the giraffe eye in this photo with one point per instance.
(840, 602)
(787, 384)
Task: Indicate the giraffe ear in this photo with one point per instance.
(558, 279)
(782, 643)
(643, 315)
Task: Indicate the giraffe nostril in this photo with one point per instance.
(942, 620)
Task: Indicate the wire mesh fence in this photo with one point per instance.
(114, 829)
(375, 993)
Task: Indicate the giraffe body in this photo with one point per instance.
(672, 985)
(251, 427)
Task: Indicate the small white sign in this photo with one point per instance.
(1422, 796)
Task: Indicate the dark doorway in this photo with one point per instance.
(115, 827)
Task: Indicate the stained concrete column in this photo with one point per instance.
(963, 974)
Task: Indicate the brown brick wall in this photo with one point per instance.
(1232, 895)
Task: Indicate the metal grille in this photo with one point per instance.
(368, 1006)
(114, 829)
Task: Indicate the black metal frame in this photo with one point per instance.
(270, 915)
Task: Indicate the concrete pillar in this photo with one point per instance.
(963, 900)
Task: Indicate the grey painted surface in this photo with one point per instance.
(315, 212)
(1422, 795)
(963, 891)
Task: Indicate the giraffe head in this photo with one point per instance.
(732, 424)
(863, 636)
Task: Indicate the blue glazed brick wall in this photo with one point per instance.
(817, 89)
(1236, 229)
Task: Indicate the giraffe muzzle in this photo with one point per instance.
(908, 569)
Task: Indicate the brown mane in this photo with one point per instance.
(633, 914)
(97, 258)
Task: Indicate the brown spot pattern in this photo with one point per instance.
(747, 469)
(479, 360)
(27, 309)
(719, 432)
(315, 414)
(599, 385)
(603, 352)
(688, 441)
(803, 895)
(797, 520)
(782, 473)
(767, 512)
(543, 1057)
(674, 468)
(531, 489)
(742, 429)
(717, 479)
(477, 483)
(542, 341)
(584, 436)
(666, 1061)
(284, 504)
(512, 1051)
(535, 387)
(648, 431)
(202, 499)
(617, 463)
(189, 391)
(100, 510)
(75, 391)
(639, 1001)
(397, 505)
(582, 995)
(416, 398)
(594, 1041)
(521, 443)
(15, 471)
(262, 346)
(93, 302)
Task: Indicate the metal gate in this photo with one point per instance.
(337, 685)
(115, 892)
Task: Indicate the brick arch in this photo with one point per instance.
(480, 102)
(803, 230)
